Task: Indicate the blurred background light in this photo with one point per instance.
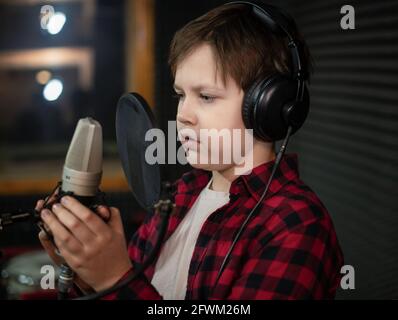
(46, 12)
(56, 23)
(53, 90)
(43, 77)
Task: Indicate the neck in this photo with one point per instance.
(262, 153)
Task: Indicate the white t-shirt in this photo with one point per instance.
(171, 270)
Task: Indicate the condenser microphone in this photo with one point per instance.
(81, 176)
(82, 171)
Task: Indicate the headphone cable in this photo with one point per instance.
(253, 211)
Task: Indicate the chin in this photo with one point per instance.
(193, 157)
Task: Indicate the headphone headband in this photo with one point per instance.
(278, 23)
(279, 101)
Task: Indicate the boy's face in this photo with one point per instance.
(205, 102)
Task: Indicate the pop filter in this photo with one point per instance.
(134, 118)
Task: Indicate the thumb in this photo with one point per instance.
(50, 248)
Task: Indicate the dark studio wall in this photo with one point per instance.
(348, 148)
(109, 60)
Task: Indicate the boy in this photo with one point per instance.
(288, 250)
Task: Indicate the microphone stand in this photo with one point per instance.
(65, 281)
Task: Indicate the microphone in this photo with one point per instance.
(81, 176)
(82, 171)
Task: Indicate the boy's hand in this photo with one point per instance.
(96, 251)
(58, 260)
(51, 249)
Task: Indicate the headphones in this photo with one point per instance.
(274, 103)
(274, 107)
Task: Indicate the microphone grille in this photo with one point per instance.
(85, 150)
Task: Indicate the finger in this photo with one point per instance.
(44, 238)
(52, 197)
(73, 224)
(63, 238)
(89, 218)
(115, 222)
(104, 212)
(44, 227)
(50, 248)
(39, 205)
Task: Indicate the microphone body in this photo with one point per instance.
(81, 178)
(83, 164)
(82, 171)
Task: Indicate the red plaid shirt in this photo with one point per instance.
(288, 250)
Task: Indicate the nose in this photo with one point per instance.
(186, 113)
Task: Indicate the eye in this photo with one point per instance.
(178, 96)
(206, 98)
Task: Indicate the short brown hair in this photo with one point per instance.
(243, 47)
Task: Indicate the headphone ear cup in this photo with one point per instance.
(276, 108)
(248, 105)
(295, 114)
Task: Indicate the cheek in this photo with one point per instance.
(224, 116)
(234, 115)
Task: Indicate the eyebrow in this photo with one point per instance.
(198, 87)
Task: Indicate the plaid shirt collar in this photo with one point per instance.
(251, 184)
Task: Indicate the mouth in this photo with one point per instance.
(188, 139)
(187, 135)
(189, 143)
